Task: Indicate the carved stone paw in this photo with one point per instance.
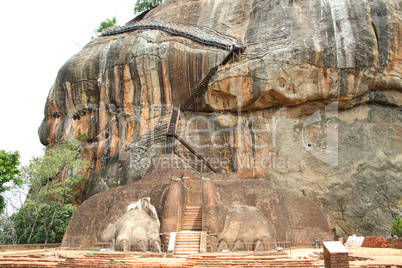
(137, 230)
(246, 229)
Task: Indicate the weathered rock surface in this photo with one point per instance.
(313, 105)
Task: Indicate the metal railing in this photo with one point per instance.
(124, 247)
(203, 35)
(248, 247)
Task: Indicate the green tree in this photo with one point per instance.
(142, 5)
(9, 173)
(52, 179)
(396, 226)
(106, 24)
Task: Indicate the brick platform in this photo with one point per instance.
(117, 260)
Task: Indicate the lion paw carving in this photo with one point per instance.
(138, 229)
(246, 229)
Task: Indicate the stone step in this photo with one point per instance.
(188, 233)
(192, 222)
(187, 246)
(190, 227)
(193, 213)
(190, 238)
(188, 241)
(195, 239)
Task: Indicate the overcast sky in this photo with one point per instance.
(37, 38)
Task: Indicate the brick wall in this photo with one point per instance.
(335, 260)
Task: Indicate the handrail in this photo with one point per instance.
(198, 154)
(174, 119)
(177, 29)
(199, 90)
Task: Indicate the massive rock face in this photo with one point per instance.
(312, 105)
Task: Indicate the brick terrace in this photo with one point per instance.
(117, 260)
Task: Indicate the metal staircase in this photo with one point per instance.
(202, 87)
(199, 91)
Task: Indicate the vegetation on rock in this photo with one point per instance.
(143, 5)
(396, 227)
(105, 25)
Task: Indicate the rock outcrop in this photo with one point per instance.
(311, 106)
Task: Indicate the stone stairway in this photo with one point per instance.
(192, 219)
(188, 240)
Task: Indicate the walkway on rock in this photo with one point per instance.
(203, 35)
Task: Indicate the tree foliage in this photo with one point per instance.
(143, 5)
(47, 210)
(396, 226)
(28, 224)
(9, 173)
(106, 24)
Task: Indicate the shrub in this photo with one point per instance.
(396, 227)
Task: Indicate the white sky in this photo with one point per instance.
(36, 39)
